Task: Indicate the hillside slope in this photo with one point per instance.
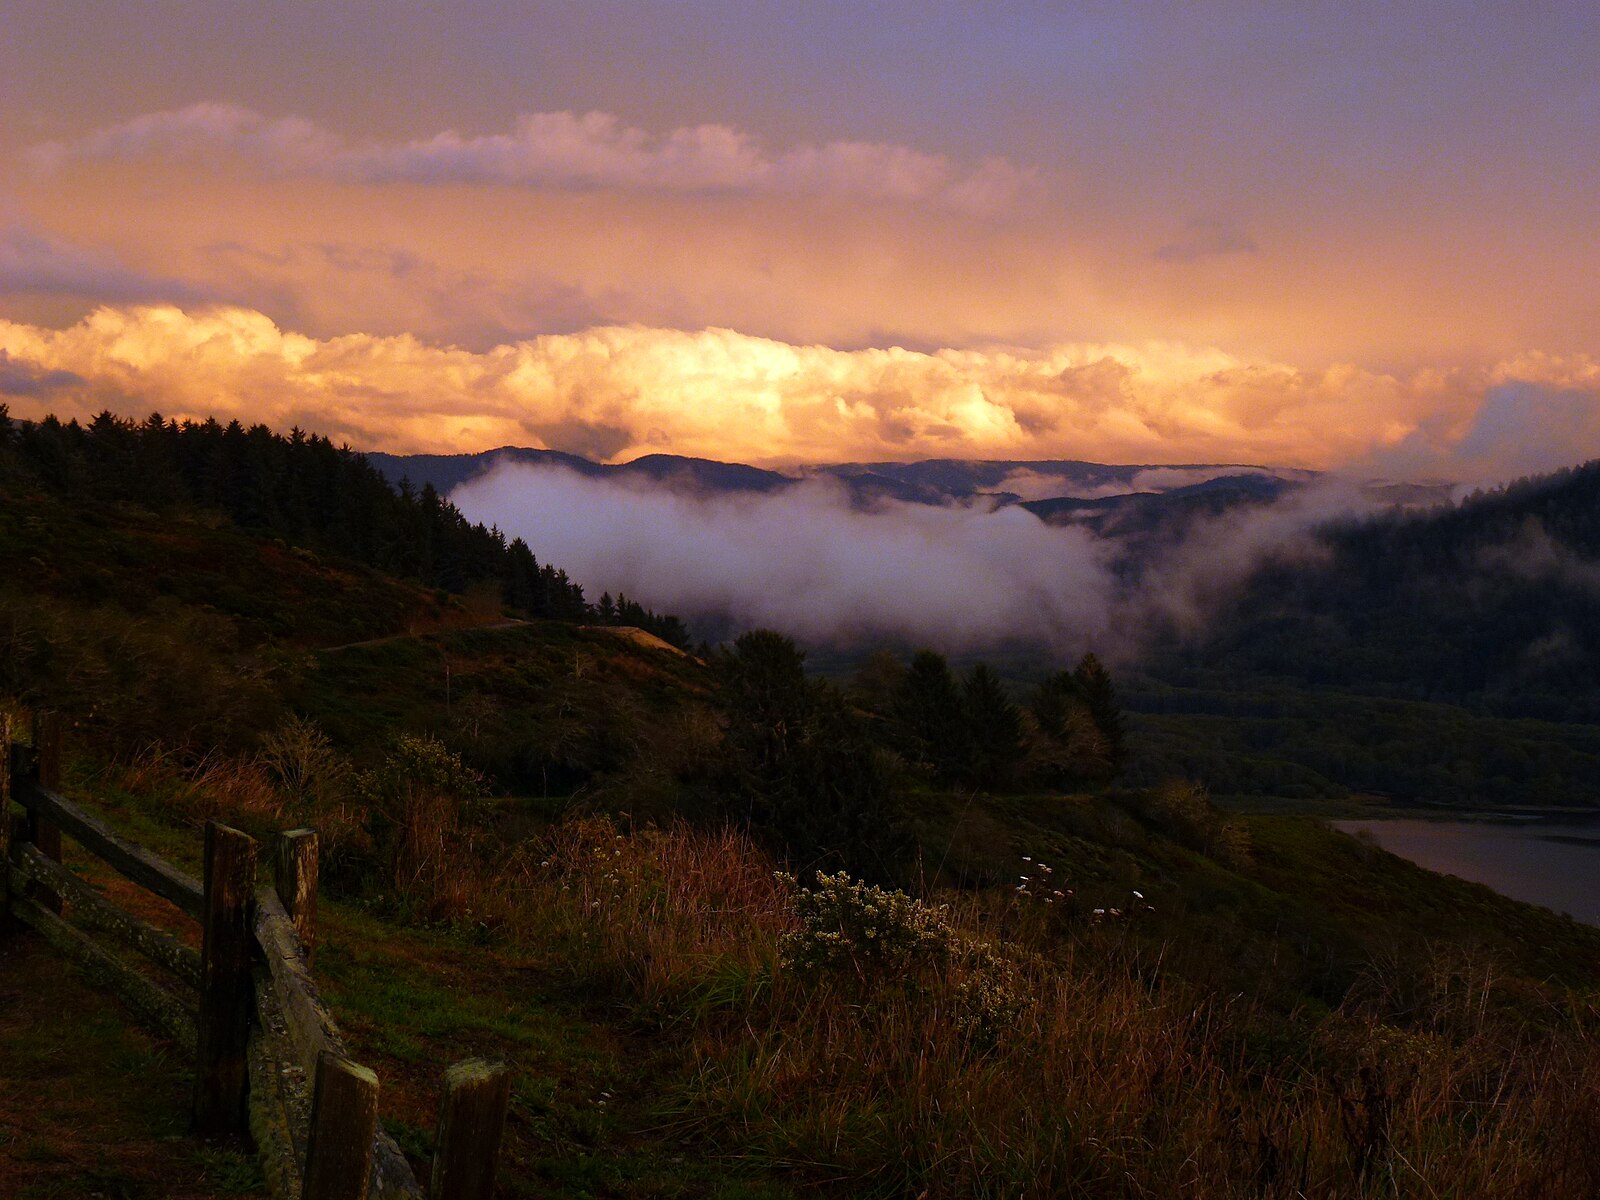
(594, 857)
(1446, 657)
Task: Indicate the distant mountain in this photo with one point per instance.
(1038, 479)
(449, 471)
(703, 474)
(1162, 513)
(1045, 486)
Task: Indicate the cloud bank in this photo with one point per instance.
(555, 150)
(623, 391)
(804, 561)
(959, 577)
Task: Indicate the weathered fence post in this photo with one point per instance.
(47, 769)
(344, 1121)
(294, 866)
(226, 989)
(472, 1117)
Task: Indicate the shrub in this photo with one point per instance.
(885, 944)
(1183, 810)
(418, 803)
(303, 761)
(876, 933)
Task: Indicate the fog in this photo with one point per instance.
(958, 577)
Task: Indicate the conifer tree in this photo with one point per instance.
(1100, 697)
(929, 714)
(994, 728)
(1053, 701)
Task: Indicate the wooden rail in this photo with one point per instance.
(129, 858)
(269, 1059)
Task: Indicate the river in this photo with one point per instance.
(1556, 864)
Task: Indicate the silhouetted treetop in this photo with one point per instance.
(301, 488)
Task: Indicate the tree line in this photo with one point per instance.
(304, 489)
(826, 772)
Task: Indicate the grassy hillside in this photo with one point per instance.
(566, 847)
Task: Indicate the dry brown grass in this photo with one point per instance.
(1100, 1073)
(1105, 1079)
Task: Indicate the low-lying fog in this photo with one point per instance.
(803, 560)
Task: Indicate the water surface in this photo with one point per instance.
(1556, 864)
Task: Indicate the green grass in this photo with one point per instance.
(584, 1114)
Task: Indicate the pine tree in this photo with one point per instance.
(928, 712)
(1100, 697)
(994, 728)
(1053, 701)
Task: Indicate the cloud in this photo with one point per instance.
(623, 391)
(1534, 413)
(37, 264)
(960, 577)
(561, 150)
(318, 286)
(1533, 553)
(1184, 583)
(806, 562)
(1206, 239)
(286, 144)
(1523, 425)
(590, 439)
(18, 377)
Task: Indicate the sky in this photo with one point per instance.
(1355, 236)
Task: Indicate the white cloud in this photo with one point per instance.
(804, 561)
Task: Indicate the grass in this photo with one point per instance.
(1281, 1011)
(1288, 1011)
(413, 1001)
(89, 1105)
(666, 1046)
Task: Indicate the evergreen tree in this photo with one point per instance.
(764, 687)
(1100, 698)
(993, 726)
(301, 488)
(804, 771)
(929, 716)
(1053, 701)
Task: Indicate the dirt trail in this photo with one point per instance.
(401, 637)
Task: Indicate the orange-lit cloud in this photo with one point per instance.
(490, 238)
(620, 391)
(554, 150)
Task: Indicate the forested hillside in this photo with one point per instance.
(303, 489)
(1493, 605)
(1448, 656)
(597, 858)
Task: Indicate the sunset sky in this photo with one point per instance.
(1362, 235)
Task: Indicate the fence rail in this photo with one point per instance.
(270, 1062)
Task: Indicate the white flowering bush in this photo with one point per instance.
(990, 996)
(887, 944)
(873, 931)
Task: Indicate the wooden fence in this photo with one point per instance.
(270, 1064)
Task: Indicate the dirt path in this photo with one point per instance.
(401, 637)
(90, 1106)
